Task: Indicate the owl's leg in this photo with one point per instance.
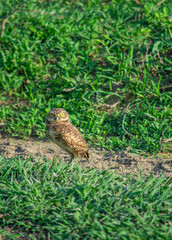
(72, 156)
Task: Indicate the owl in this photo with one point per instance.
(64, 134)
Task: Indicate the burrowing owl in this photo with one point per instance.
(64, 134)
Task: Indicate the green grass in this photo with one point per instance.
(80, 204)
(81, 54)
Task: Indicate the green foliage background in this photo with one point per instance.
(78, 55)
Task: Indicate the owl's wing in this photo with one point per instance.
(74, 139)
(70, 139)
(59, 139)
(70, 136)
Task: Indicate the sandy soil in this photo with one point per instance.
(122, 162)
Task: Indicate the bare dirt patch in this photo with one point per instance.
(122, 162)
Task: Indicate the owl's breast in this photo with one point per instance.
(51, 133)
(56, 136)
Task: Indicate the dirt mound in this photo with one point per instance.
(122, 162)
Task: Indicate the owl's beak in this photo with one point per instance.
(57, 118)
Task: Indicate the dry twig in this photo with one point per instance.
(160, 140)
(159, 3)
(167, 140)
(70, 89)
(167, 181)
(125, 114)
(5, 21)
(73, 88)
(157, 119)
(108, 106)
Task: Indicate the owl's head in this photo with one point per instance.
(57, 115)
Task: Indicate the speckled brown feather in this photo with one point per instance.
(67, 136)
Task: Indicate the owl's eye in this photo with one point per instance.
(62, 114)
(51, 114)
